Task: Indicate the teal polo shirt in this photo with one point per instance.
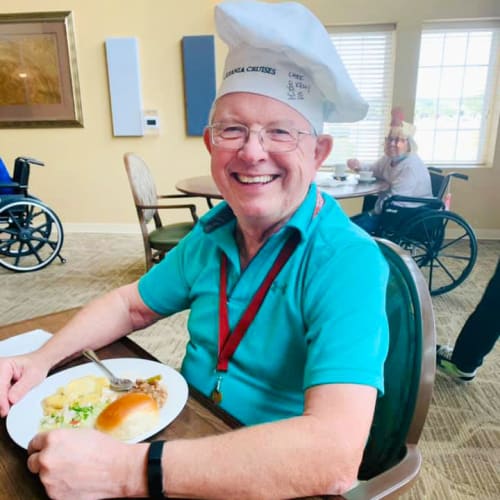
(323, 320)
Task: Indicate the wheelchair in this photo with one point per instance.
(31, 234)
(441, 242)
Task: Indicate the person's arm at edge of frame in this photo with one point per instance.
(100, 322)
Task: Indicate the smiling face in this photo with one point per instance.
(263, 188)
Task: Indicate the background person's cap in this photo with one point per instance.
(282, 51)
(397, 122)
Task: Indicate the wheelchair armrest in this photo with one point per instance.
(31, 161)
(435, 170)
(429, 202)
(459, 176)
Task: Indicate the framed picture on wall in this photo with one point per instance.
(38, 71)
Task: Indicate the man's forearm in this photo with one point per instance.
(289, 459)
(315, 453)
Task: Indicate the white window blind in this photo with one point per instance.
(367, 53)
(457, 101)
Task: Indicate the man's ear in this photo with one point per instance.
(206, 140)
(324, 145)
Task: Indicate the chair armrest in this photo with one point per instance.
(391, 483)
(176, 195)
(190, 206)
(183, 195)
(430, 202)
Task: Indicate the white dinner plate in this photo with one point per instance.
(24, 343)
(23, 420)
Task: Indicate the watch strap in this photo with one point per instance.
(155, 471)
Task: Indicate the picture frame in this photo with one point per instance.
(39, 84)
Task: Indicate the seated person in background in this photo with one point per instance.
(304, 376)
(5, 179)
(400, 166)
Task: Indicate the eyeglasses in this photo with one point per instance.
(273, 138)
(396, 140)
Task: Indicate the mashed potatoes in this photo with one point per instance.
(77, 404)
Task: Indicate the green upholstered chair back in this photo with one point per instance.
(409, 368)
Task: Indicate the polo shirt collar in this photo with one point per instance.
(220, 222)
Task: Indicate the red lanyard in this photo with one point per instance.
(228, 342)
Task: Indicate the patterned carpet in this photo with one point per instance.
(461, 438)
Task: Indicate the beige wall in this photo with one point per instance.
(84, 180)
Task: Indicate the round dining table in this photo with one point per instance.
(205, 187)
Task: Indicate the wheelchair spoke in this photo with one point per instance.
(8, 230)
(431, 274)
(5, 246)
(457, 257)
(34, 251)
(445, 269)
(19, 254)
(455, 240)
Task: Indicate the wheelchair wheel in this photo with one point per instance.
(31, 235)
(443, 245)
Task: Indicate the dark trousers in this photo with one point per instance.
(368, 221)
(480, 332)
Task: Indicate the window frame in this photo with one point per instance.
(489, 127)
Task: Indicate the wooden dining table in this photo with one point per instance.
(204, 186)
(200, 416)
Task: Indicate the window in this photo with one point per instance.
(456, 108)
(367, 54)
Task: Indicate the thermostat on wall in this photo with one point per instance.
(151, 120)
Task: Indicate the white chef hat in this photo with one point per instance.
(282, 51)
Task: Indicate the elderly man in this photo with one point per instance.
(272, 278)
(400, 166)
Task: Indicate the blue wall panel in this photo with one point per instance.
(198, 55)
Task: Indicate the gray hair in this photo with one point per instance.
(412, 144)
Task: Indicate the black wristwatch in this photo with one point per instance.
(155, 472)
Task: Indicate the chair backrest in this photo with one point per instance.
(439, 183)
(410, 366)
(142, 185)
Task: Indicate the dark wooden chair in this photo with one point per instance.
(392, 460)
(158, 238)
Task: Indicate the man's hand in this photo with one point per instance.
(18, 375)
(83, 464)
